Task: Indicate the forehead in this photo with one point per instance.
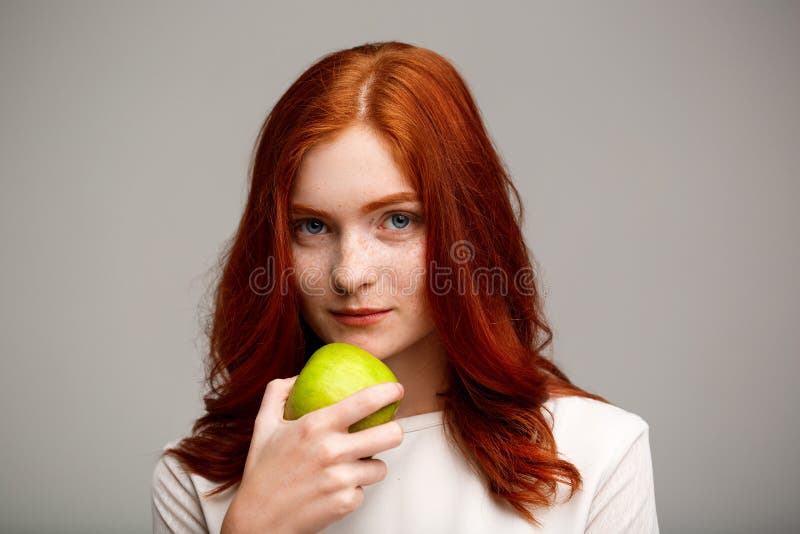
(356, 165)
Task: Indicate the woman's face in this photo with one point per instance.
(359, 242)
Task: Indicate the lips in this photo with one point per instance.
(359, 311)
(360, 316)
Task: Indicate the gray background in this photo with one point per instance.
(656, 146)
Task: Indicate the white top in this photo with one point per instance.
(429, 487)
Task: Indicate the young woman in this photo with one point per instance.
(379, 214)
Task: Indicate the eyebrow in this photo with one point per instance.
(388, 200)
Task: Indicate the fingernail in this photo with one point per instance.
(400, 387)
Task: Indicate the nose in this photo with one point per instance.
(355, 268)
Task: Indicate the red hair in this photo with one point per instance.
(498, 376)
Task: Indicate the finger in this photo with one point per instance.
(361, 404)
(367, 472)
(369, 441)
(274, 398)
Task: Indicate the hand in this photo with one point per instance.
(301, 476)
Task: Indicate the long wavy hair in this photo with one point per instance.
(494, 332)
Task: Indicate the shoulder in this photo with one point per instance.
(610, 448)
(175, 500)
(593, 434)
(584, 415)
(169, 475)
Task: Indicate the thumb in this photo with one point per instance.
(274, 399)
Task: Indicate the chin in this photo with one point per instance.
(366, 341)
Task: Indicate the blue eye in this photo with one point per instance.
(313, 226)
(401, 220)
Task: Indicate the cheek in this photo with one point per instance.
(411, 276)
(304, 262)
(309, 271)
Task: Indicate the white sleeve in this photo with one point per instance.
(626, 503)
(175, 504)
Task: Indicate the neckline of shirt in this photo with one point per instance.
(421, 421)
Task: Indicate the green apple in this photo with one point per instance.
(336, 371)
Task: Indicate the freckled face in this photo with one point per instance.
(359, 242)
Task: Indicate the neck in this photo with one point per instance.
(422, 371)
